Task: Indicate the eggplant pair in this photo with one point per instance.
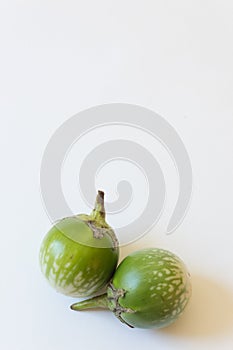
(79, 255)
(150, 289)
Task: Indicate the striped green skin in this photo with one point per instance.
(73, 261)
(157, 287)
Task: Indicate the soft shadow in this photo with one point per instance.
(210, 311)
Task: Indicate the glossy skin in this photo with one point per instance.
(79, 255)
(156, 288)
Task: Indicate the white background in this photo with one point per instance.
(60, 57)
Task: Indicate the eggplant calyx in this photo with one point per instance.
(109, 300)
(101, 232)
(96, 221)
(114, 304)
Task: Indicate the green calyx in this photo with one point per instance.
(90, 230)
(114, 296)
(96, 221)
(109, 300)
(97, 216)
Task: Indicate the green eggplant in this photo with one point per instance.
(79, 255)
(150, 289)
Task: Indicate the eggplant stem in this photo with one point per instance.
(100, 301)
(98, 212)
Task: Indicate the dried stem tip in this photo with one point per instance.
(99, 210)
